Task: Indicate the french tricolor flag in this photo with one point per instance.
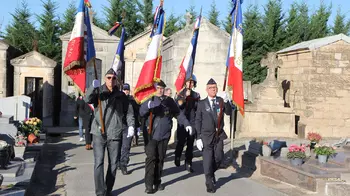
(118, 62)
(80, 49)
(186, 66)
(235, 57)
(150, 72)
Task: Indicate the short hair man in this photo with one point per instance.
(118, 117)
(210, 135)
(163, 110)
(168, 92)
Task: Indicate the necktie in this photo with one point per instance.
(214, 106)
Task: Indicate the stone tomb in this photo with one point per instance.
(312, 175)
(267, 116)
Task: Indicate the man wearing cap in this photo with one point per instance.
(187, 100)
(159, 110)
(210, 134)
(118, 117)
(126, 142)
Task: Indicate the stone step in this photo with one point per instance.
(337, 189)
(311, 175)
(14, 169)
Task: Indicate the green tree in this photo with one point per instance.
(273, 33)
(67, 23)
(146, 11)
(21, 33)
(113, 13)
(172, 25)
(227, 23)
(132, 20)
(340, 26)
(304, 21)
(49, 42)
(213, 14)
(318, 22)
(253, 50)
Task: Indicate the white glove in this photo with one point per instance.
(96, 83)
(131, 132)
(224, 96)
(138, 131)
(189, 130)
(199, 144)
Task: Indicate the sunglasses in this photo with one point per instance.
(110, 77)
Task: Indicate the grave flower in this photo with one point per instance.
(314, 137)
(296, 152)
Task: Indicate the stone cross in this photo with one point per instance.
(271, 62)
(188, 17)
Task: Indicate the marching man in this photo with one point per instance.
(210, 134)
(159, 110)
(187, 100)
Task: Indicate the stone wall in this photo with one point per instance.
(320, 88)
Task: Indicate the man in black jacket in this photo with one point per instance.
(210, 133)
(87, 121)
(159, 110)
(187, 100)
(118, 117)
(126, 142)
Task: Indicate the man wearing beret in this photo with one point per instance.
(187, 99)
(126, 142)
(162, 109)
(118, 117)
(210, 134)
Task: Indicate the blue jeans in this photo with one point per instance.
(80, 121)
(103, 187)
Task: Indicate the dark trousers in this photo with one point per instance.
(183, 137)
(213, 154)
(103, 187)
(125, 150)
(87, 126)
(155, 155)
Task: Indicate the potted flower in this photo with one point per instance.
(20, 144)
(323, 152)
(296, 154)
(314, 139)
(31, 128)
(266, 149)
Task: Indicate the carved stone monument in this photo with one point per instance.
(266, 116)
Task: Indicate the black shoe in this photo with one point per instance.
(188, 167)
(124, 170)
(210, 188)
(149, 190)
(214, 181)
(177, 161)
(159, 187)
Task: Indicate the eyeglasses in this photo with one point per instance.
(110, 77)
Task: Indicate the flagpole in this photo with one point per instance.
(234, 25)
(233, 115)
(99, 100)
(196, 46)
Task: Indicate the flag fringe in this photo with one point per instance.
(71, 65)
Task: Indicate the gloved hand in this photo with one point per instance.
(96, 83)
(138, 131)
(199, 144)
(224, 96)
(189, 130)
(153, 104)
(131, 132)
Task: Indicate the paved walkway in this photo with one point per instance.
(76, 175)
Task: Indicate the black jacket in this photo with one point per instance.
(80, 107)
(207, 122)
(136, 108)
(162, 117)
(188, 105)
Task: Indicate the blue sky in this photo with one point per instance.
(176, 6)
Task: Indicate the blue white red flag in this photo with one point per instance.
(235, 57)
(118, 62)
(187, 63)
